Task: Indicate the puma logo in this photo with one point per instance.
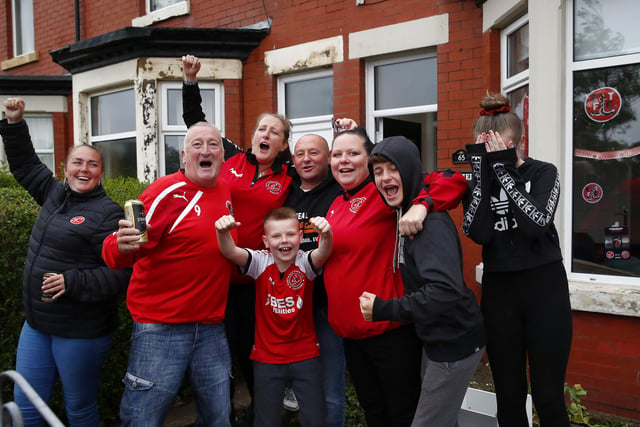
(181, 196)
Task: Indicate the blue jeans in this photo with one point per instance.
(159, 358)
(333, 368)
(42, 358)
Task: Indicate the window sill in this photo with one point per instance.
(163, 14)
(27, 58)
(621, 300)
(616, 299)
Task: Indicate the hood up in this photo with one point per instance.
(404, 154)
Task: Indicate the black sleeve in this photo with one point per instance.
(533, 201)
(478, 218)
(435, 257)
(192, 105)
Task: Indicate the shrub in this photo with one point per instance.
(17, 215)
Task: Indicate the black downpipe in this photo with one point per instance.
(76, 8)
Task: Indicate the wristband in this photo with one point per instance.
(427, 201)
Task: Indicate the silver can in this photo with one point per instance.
(47, 296)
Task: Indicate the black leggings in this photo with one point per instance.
(528, 315)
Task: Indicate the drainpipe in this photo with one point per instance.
(76, 8)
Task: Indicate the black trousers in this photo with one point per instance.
(385, 371)
(240, 321)
(527, 316)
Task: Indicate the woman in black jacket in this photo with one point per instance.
(70, 296)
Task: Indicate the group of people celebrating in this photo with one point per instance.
(303, 264)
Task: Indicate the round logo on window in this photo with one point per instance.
(603, 104)
(592, 193)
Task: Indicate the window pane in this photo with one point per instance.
(159, 4)
(23, 23)
(406, 84)
(519, 100)
(606, 171)
(309, 98)
(172, 150)
(47, 159)
(119, 157)
(41, 130)
(518, 51)
(174, 106)
(606, 28)
(113, 113)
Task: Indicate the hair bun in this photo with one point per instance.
(494, 103)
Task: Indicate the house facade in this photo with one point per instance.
(109, 74)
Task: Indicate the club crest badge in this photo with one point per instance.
(603, 104)
(77, 220)
(592, 193)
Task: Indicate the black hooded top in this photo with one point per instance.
(445, 312)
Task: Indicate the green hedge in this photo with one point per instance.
(17, 215)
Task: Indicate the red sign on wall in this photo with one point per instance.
(603, 104)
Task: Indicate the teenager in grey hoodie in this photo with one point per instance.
(444, 311)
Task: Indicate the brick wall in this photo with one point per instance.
(605, 351)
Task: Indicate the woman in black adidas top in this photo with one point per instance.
(509, 210)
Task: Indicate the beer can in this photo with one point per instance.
(134, 212)
(44, 296)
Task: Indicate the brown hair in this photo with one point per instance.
(286, 124)
(362, 133)
(281, 213)
(496, 115)
(285, 155)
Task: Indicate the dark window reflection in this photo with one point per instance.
(606, 171)
(119, 157)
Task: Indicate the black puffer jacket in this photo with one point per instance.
(66, 238)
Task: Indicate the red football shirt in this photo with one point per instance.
(285, 331)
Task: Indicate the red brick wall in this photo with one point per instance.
(606, 348)
(605, 360)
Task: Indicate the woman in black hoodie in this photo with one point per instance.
(525, 293)
(444, 311)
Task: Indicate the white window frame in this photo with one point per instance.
(132, 134)
(19, 31)
(572, 67)
(111, 136)
(418, 113)
(151, 17)
(509, 84)
(372, 113)
(320, 125)
(166, 129)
